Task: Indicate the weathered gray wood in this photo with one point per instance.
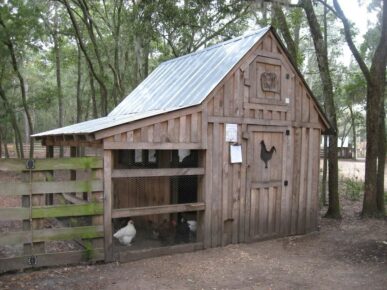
(41, 187)
(52, 164)
(53, 234)
(108, 192)
(52, 259)
(267, 184)
(216, 204)
(208, 189)
(144, 145)
(119, 173)
(51, 211)
(243, 189)
(161, 209)
(303, 173)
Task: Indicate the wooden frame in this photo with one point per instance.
(161, 209)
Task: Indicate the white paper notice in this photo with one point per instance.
(236, 153)
(231, 133)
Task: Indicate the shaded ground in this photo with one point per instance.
(346, 254)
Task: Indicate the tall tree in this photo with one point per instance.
(19, 28)
(323, 66)
(375, 76)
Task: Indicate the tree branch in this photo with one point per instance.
(348, 37)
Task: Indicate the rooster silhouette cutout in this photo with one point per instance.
(266, 155)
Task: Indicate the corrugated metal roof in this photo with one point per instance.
(175, 84)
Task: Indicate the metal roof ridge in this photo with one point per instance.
(223, 43)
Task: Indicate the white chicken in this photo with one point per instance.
(192, 225)
(126, 234)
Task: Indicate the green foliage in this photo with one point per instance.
(89, 251)
(353, 188)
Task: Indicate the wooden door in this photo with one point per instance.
(266, 180)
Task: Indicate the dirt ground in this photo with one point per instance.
(346, 254)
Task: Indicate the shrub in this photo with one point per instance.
(353, 188)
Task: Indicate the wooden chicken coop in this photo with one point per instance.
(228, 137)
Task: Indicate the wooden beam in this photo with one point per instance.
(41, 187)
(252, 121)
(119, 173)
(161, 209)
(53, 234)
(144, 145)
(51, 211)
(108, 193)
(273, 183)
(281, 108)
(133, 255)
(52, 259)
(52, 164)
(147, 121)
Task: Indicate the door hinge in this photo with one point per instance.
(287, 132)
(30, 164)
(32, 260)
(286, 183)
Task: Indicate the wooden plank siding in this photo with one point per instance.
(233, 213)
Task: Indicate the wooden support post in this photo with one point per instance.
(50, 174)
(108, 191)
(164, 162)
(201, 197)
(97, 219)
(27, 249)
(37, 224)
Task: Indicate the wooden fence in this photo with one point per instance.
(59, 218)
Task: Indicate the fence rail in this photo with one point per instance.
(69, 220)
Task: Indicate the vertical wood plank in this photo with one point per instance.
(208, 192)
(216, 207)
(247, 198)
(194, 127)
(243, 188)
(108, 191)
(271, 210)
(157, 133)
(309, 180)
(164, 132)
(254, 204)
(296, 179)
(129, 136)
(303, 196)
(171, 128)
(183, 126)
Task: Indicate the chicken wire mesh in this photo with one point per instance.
(161, 229)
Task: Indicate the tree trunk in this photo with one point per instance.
(370, 207)
(98, 77)
(24, 99)
(324, 176)
(1, 143)
(381, 162)
(6, 153)
(93, 98)
(141, 47)
(323, 65)
(354, 139)
(79, 80)
(58, 77)
(376, 79)
(282, 25)
(15, 126)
